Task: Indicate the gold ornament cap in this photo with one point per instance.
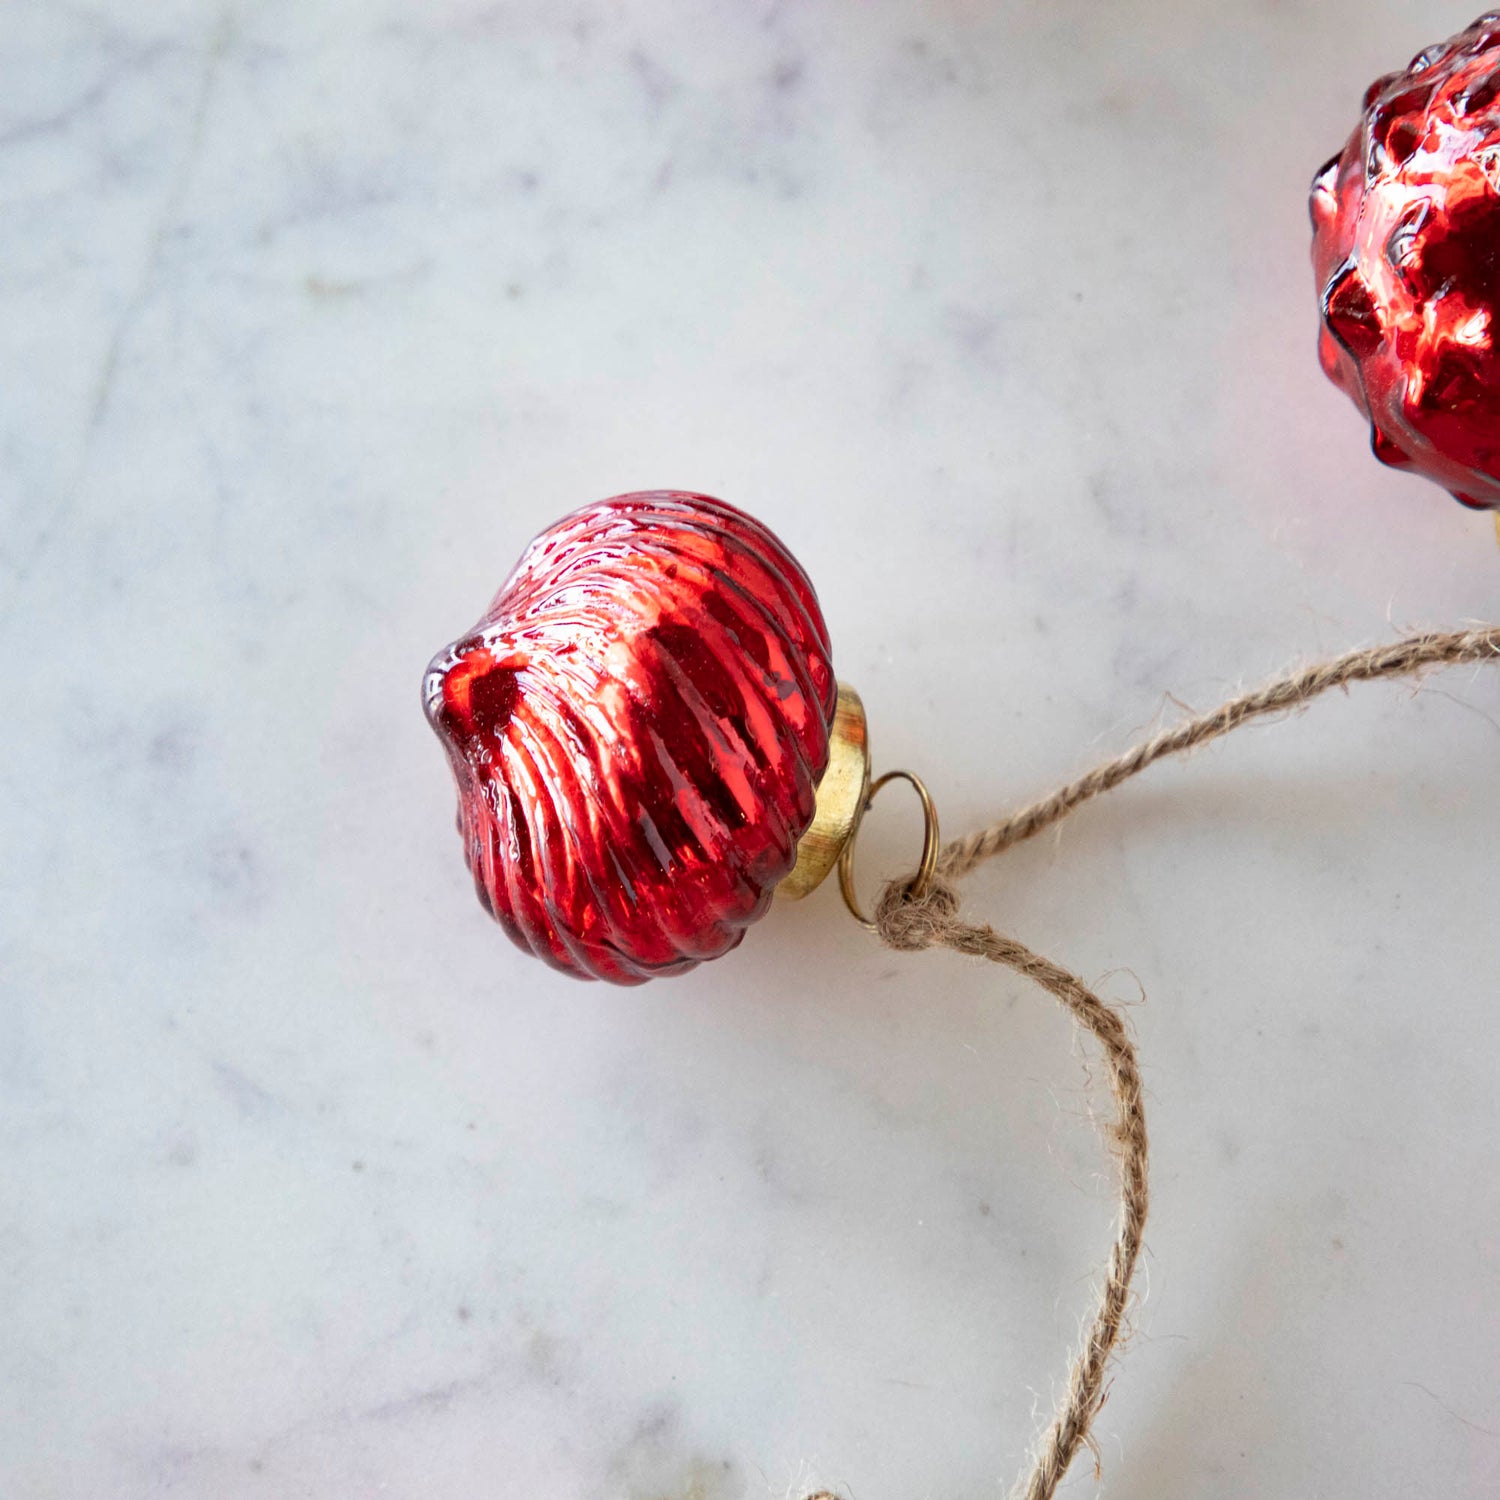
(842, 796)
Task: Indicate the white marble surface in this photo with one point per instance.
(310, 314)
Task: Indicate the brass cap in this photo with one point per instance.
(842, 794)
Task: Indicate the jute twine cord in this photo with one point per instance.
(911, 924)
(933, 921)
(1399, 659)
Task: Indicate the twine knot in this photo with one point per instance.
(910, 922)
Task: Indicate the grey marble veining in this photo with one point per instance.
(310, 315)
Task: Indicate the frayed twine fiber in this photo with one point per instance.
(911, 924)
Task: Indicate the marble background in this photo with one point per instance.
(310, 314)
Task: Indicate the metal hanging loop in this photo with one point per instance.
(921, 882)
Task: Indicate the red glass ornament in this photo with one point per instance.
(1406, 246)
(637, 727)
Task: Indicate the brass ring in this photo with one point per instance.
(917, 886)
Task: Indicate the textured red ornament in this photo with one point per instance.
(1406, 245)
(637, 727)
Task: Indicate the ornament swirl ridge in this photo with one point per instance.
(637, 727)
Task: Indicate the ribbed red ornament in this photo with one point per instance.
(637, 727)
(1406, 246)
